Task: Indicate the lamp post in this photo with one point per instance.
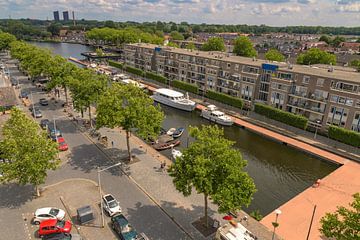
(316, 127)
(99, 184)
(32, 103)
(276, 224)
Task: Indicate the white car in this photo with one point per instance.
(111, 205)
(48, 213)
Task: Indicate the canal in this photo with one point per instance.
(280, 172)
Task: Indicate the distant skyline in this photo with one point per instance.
(269, 12)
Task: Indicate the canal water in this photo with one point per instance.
(280, 172)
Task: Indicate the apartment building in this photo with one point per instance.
(324, 94)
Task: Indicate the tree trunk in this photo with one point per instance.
(128, 145)
(82, 113)
(66, 95)
(37, 190)
(90, 116)
(206, 210)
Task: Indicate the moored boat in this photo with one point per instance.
(164, 146)
(176, 153)
(171, 131)
(211, 113)
(178, 132)
(173, 99)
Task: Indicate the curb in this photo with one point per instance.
(69, 179)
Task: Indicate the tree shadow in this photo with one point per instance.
(14, 195)
(151, 220)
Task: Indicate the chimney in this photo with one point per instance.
(73, 17)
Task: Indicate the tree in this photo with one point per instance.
(54, 29)
(344, 224)
(244, 47)
(5, 40)
(358, 40)
(127, 106)
(325, 38)
(214, 44)
(191, 46)
(355, 63)
(337, 40)
(30, 151)
(274, 55)
(172, 44)
(315, 56)
(214, 168)
(175, 35)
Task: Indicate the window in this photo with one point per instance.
(337, 116)
(320, 82)
(285, 76)
(306, 80)
(229, 65)
(344, 86)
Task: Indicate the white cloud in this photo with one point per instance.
(350, 7)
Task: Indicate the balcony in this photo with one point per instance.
(306, 107)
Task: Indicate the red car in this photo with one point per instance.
(54, 226)
(62, 144)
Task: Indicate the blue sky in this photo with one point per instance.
(269, 12)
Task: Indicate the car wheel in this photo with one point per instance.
(36, 222)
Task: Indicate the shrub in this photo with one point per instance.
(256, 215)
(135, 71)
(224, 98)
(116, 64)
(281, 116)
(156, 77)
(345, 136)
(185, 86)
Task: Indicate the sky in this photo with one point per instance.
(269, 12)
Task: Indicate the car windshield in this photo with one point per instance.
(54, 211)
(60, 224)
(113, 204)
(127, 228)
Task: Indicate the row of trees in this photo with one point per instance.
(121, 36)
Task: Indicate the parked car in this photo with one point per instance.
(62, 144)
(43, 102)
(44, 123)
(47, 213)
(52, 226)
(52, 133)
(32, 106)
(14, 82)
(122, 227)
(111, 205)
(62, 236)
(36, 113)
(23, 94)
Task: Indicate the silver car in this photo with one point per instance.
(111, 205)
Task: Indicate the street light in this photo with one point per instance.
(32, 102)
(276, 224)
(99, 184)
(317, 122)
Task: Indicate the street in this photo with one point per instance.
(84, 158)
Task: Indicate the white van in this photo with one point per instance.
(234, 231)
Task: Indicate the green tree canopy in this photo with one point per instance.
(29, 151)
(355, 63)
(129, 107)
(172, 44)
(175, 35)
(244, 47)
(5, 40)
(214, 168)
(274, 55)
(344, 224)
(337, 40)
(315, 56)
(191, 46)
(325, 38)
(214, 44)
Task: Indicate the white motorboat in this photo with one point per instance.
(135, 83)
(211, 113)
(171, 131)
(176, 153)
(173, 99)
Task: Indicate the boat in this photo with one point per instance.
(135, 83)
(173, 99)
(178, 132)
(171, 131)
(176, 153)
(211, 113)
(164, 146)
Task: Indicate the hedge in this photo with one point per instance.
(116, 64)
(156, 77)
(224, 98)
(135, 71)
(185, 86)
(345, 136)
(281, 116)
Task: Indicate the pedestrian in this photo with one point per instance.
(112, 144)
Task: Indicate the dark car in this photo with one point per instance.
(44, 123)
(23, 94)
(33, 106)
(122, 227)
(43, 102)
(14, 82)
(62, 236)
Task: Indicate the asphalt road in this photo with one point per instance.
(84, 159)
